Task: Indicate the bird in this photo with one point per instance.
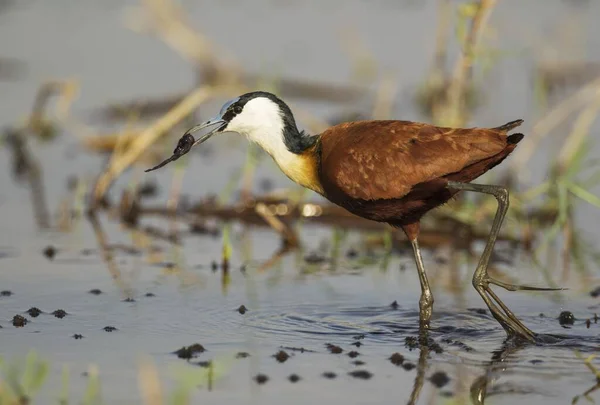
(389, 171)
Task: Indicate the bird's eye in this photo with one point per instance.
(237, 109)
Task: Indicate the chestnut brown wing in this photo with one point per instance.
(373, 160)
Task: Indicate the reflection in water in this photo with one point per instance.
(496, 366)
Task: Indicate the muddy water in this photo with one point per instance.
(175, 297)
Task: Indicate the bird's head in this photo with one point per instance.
(263, 118)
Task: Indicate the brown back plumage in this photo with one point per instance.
(397, 163)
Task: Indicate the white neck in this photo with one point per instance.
(261, 122)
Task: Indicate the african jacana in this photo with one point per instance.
(385, 171)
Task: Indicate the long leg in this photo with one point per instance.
(426, 300)
(481, 279)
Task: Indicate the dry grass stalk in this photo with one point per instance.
(457, 111)
(149, 383)
(550, 121)
(120, 163)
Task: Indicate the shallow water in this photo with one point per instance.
(293, 304)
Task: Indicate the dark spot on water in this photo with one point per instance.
(214, 266)
(204, 364)
(314, 258)
(595, 318)
(536, 361)
(242, 355)
(77, 336)
(59, 313)
(411, 342)
(261, 378)
(281, 356)
(265, 185)
(595, 292)
(358, 363)
(243, 269)
(357, 344)
(439, 379)
(49, 252)
(566, 318)
(129, 299)
(351, 253)
(402, 267)
(242, 309)
(394, 305)
(147, 189)
(408, 366)
(95, 291)
(334, 349)
(109, 329)
(149, 294)
(480, 311)
(396, 359)
(294, 378)
(188, 352)
(298, 349)
(6, 293)
(362, 374)
(542, 315)
(447, 394)
(353, 354)
(457, 343)
(330, 375)
(358, 337)
(34, 312)
(588, 323)
(87, 251)
(19, 321)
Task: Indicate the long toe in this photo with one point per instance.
(518, 287)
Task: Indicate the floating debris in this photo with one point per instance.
(358, 363)
(566, 318)
(334, 349)
(149, 294)
(77, 336)
(242, 355)
(95, 291)
(595, 292)
(411, 342)
(297, 349)
(109, 329)
(261, 379)
(6, 293)
(479, 311)
(204, 364)
(34, 312)
(357, 344)
(190, 351)
(408, 366)
(59, 313)
(396, 359)
(330, 375)
(49, 252)
(129, 299)
(439, 379)
(19, 321)
(353, 354)
(361, 374)
(294, 378)
(242, 309)
(281, 356)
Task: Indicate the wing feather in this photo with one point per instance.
(373, 160)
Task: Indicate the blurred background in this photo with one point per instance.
(221, 249)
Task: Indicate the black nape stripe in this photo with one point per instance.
(296, 141)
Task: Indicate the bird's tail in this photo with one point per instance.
(509, 125)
